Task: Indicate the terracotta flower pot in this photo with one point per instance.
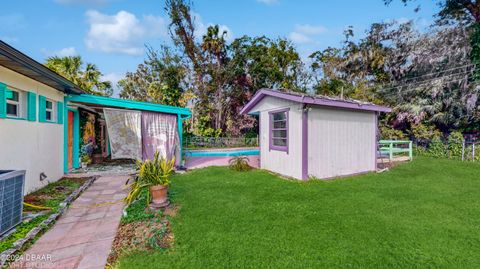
(159, 195)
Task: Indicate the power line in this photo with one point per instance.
(468, 73)
(439, 72)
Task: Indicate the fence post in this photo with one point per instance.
(463, 150)
(391, 151)
(473, 151)
(410, 150)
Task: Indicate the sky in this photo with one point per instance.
(112, 33)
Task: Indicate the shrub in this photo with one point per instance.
(455, 143)
(436, 147)
(387, 132)
(422, 131)
(86, 159)
(239, 163)
(469, 152)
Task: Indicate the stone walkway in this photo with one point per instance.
(83, 236)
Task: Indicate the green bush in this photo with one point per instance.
(469, 152)
(455, 142)
(387, 132)
(422, 131)
(436, 148)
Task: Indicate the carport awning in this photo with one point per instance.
(102, 101)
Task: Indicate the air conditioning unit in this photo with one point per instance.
(11, 198)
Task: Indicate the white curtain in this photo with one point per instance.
(125, 133)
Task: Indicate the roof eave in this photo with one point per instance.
(27, 62)
(310, 100)
(127, 104)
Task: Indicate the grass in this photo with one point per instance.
(54, 193)
(424, 214)
(136, 211)
(49, 196)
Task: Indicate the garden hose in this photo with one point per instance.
(98, 205)
(37, 206)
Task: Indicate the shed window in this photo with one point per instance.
(279, 130)
(49, 109)
(15, 104)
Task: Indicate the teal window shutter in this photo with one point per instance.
(42, 108)
(31, 106)
(3, 100)
(8, 93)
(59, 112)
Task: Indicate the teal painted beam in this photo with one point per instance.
(180, 136)
(76, 139)
(180, 133)
(65, 136)
(128, 104)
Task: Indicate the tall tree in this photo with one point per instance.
(161, 78)
(226, 75)
(465, 11)
(87, 77)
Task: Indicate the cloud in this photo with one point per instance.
(113, 78)
(70, 51)
(83, 2)
(201, 28)
(123, 32)
(268, 2)
(299, 38)
(303, 33)
(65, 52)
(310, 29)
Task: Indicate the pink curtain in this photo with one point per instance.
(160, 133)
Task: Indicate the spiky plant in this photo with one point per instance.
(150, 173)
(239, 163)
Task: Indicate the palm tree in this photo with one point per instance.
(88, 79)
(214, 42)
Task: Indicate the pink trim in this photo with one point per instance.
(222, 149)
(377, 137)
(313, 100)
(305, 142)
(270, 116)
(201, 162)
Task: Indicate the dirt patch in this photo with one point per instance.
(171, 211)
(146, 235)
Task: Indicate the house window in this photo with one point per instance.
(279, 130)
(49, 109)
(15, 104)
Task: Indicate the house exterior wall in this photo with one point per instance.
(340, 142)
(31, 145)
(285, 163)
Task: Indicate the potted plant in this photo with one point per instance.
(153, 175)
(85, 160)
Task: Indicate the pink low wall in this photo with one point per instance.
(200, 162)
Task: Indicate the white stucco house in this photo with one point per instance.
(303, 136)
(39, 118)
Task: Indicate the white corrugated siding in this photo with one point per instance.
(288, 164)
(340, 142)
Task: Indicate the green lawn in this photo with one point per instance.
(424, 214)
